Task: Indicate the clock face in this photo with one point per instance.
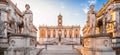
(60, 20)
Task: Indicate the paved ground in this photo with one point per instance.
(59, 50)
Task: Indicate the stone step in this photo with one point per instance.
(59, 47)
(59, 52)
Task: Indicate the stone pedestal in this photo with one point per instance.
(116, 44)
(21, 45)
(3, 42)
(99, 44)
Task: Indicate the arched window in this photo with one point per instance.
(42, 33)
(59, 32)
(49, 33)
(65, 33)
(70, 33)
(76, 33)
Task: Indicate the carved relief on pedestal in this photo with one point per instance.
(12, 43)
(32, 42)
(102, 42)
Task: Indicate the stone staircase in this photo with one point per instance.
(59, 50)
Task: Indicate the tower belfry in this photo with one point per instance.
(59, 20)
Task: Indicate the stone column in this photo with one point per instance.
(73, 33)
(62, 33)
(79, 33)
(46, 34)
(56, 33)
(67, 33)
(51, 34)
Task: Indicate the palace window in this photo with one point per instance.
(70, 36)
(60, 33)
(48, 36)
(65, 33)
(49, 33)
(42, 33)
(76, 33)
(53, 36)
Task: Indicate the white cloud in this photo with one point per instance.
(86, 9)
(92, 2)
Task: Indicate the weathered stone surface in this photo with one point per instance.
(60, 50)
(100, 44)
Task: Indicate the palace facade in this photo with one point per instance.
(59, 31)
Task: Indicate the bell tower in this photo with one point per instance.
(59, 20)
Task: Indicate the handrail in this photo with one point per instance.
(39, 51)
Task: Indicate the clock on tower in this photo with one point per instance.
(59, 20)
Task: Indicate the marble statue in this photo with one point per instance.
(91, 15)
(28, 20)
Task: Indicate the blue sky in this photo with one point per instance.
(46, 11)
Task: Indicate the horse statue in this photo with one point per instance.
(15, 22)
